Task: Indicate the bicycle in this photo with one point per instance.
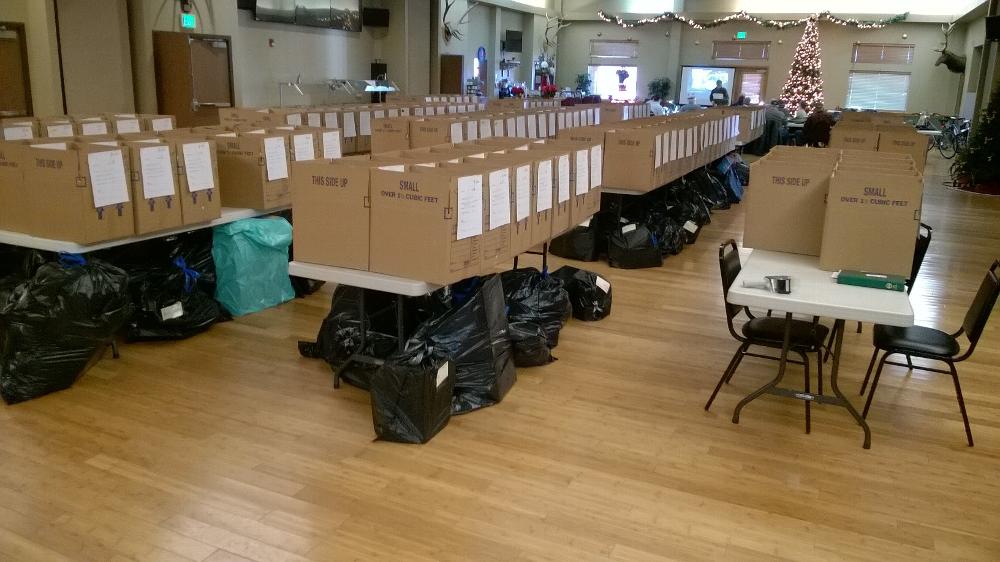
(954, 136)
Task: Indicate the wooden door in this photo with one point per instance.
(751, 82)
(15, 90)
(451, 74)
(194, 76)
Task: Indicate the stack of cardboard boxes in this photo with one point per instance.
(881, 136)
(441, 214)
(855, 209)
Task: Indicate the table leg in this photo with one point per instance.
(786, 343)
(363, 334)
(400, 323)
(838, 327)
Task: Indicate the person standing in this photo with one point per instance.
(720, 95)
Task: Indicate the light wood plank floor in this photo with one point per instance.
(229, 446)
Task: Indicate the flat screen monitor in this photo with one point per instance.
(334, 14)
(699, 81)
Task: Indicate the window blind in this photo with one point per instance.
(613, 52)
(881, 53)
(878, 90)
(740, 50)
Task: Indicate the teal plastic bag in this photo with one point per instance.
(251, 264)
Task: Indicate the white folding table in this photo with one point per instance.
(814, 293)
(399, 286)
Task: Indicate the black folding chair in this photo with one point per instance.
(919, 341)
(765, 331)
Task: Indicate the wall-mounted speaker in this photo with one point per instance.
(374, 17)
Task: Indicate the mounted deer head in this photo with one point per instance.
(952, 61)
(552, 27)
(447, 28)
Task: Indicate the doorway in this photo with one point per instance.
(451, 74)
(752, 83)
(15, 95)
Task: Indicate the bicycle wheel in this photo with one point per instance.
(946, 145)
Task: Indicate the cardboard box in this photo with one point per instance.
(390, 134)
(331, 206)
(563, 188)
(93, 126)
(786, 201)
(154, 185)
(254, 170)
(157, 123)
(18, 128)
(197, 178)
(125, 123)
(80, 192)
(14, 199)
(498, 206)
(871, 221)
(437, 223)
(904, 140)
(59, 127)
(524, 198)
(854, 136)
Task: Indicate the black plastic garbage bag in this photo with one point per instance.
(474, 336)
(170, 305)
(340, 333)
(56, 324)
(579, 243)
(634, 248)
(536, 297)
(531, 346)
(589, 292)
(411, 395)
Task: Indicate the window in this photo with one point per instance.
(878, 90)
(741, 50)
(607, 82)
(751, 84)
(879, 53)
(616, 53)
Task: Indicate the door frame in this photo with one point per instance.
(738, 81)
(18, 28)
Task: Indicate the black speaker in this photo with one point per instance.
(993, 28)
(375, 17)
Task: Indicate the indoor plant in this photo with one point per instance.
(977, 168)
(583, 83)
(659, 87)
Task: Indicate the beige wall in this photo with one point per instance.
(658, 53)
(97, 63)
(931, 88)
(316, 54)
(43, 58)
(418, 46)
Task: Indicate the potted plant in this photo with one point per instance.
(660, 87)
(583, 83)
(622, 75)
(517, 92)
(976, 168)
(549, 90)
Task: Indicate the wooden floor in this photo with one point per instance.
(229, 446)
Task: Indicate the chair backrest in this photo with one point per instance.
(729, 267)
(924, 234)
(982, 306)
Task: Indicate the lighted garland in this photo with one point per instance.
(743, 16)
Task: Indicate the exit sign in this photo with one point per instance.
(189, 21)
(741, 35)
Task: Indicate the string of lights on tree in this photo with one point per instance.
(805, 78)
(742, 15)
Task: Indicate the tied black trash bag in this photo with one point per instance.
(531, 346)
(55, 325)
(171, 305)
(633, 247)
(340, 334)
(474, 336)
(411, 394)
(589, 292)
(538, 298)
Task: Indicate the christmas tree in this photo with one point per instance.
(805, 81)
(978, 166)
